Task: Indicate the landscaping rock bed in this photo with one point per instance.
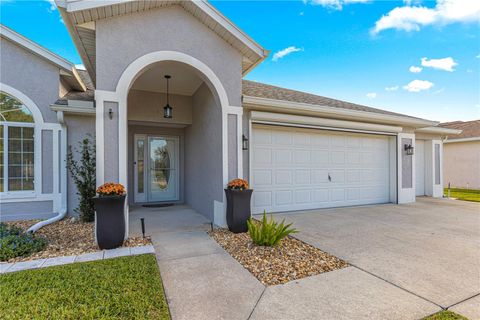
(68, 237)
(292, 259)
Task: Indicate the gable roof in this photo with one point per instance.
(253, 89)
(270, 94)
(67, 69)
(80, 15)
(470, 129)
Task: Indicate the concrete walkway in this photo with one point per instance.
(202, 281)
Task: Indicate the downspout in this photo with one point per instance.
(63, 173)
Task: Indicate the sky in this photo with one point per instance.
(420, 58)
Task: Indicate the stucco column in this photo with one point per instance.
(433, 168)
(406, 168)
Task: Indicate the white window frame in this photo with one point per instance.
(18, 193)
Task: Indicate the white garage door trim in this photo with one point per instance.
(282, 187)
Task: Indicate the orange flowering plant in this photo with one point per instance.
(111, 189)
(237, 184)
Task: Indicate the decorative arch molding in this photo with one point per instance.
(32, 106)
(134, 70)
(120, 95)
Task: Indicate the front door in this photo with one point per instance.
(156, 168)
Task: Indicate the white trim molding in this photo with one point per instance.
(471, 139)
(297, 108)
(405, 195)
(321, 123)
(120, 95)
(40, 51)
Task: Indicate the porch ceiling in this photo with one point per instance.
(80, 17)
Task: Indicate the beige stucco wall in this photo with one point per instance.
(462, 164)
(146, 106)
(122, 40)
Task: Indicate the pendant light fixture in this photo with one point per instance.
(167, 110)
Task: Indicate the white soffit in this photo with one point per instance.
(79, 17)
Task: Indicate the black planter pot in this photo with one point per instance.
(109, 221)
(238, 209)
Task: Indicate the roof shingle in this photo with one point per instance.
(470, 129)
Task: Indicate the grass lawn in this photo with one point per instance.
(445, 315)
(464, 194)
(121, 288)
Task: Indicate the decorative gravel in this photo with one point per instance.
(69, 237)
(292, 259)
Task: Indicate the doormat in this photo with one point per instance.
(157, 205)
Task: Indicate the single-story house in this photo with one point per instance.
(462, 155)
(298, 150)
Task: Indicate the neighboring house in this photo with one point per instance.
(462, 155)
(298, 150)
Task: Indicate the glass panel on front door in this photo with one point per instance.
(156, 169)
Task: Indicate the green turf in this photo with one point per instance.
(445, 315)
(464, 194)
(121, 288)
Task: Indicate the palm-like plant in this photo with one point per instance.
(268, 232)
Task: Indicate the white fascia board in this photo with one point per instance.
(438, 130)
(207, 8)
(79, 110)
(255, 103)
(35, 48)
(288, 119)
(231, 28)
(471, 139)
(66, 67)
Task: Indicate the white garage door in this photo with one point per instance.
(298, 169)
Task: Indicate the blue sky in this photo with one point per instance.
(355, 50)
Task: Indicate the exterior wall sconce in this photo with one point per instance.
(244, 142)
(409, 149)
(110, 113)
(167, 110)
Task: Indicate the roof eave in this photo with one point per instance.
(256, 103)
(439, 130)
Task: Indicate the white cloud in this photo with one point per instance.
(371, 95)
(418, 85)
(412, 18)
(445, 64)
(52, 5)
(284, 52)
(334, 4)
(414, 69)
(392, 88)
(80, 67)
(438, 91)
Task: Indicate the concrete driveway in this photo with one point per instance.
(430, 248)
(407, 262)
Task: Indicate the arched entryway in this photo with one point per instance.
(194, 140)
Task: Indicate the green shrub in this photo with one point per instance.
(268, 232)
(14, 242)
(83, 174)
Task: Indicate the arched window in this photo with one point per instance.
(16, 145)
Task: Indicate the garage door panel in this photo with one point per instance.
(282, 156)
(303, 196)
(302, 177)
(283, 197)
(262, 156)
(293, 167)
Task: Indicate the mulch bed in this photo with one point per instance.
(292, 259)
(68, 237)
